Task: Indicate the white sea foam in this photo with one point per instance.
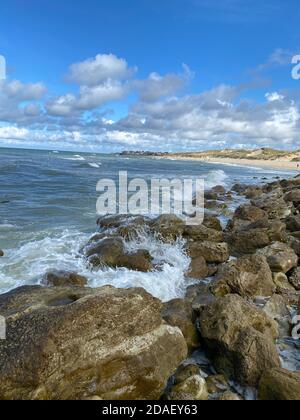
(94, 165)
(214, 178)
(28, 263)
(76, 158)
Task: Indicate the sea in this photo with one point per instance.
(48, 213)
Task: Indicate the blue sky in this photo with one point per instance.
(149, 74)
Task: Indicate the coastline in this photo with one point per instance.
(259, 163)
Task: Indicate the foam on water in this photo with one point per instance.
(217, 177)
(60, 250)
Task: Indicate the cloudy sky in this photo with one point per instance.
(169, 75)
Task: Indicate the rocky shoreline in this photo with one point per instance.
(66, 340)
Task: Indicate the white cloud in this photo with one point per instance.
(98, 70)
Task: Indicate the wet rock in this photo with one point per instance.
(192, 389)
(240, 339)
(199, 296)
(229, 396)
(186, 371)
(111, 252)
(219, 189)
(277, 309)
(63, 279)
(1, 253)
(179, 313)
(239, 188)
(294, 278)
(198, 269)
(140, 260)
(126, 350)
(212, 252)
(248, 276)
(279, 385)
(216, 384)
(168, 227)
(280, 257)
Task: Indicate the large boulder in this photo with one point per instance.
(198, 269)
(293, 223)
(239, 338)
(192, 389)
(168, 227)
(281, 258)
(274, 205)
(248, 276)
(66, 343)
(202, 233)
(212, 252)
(279, 385)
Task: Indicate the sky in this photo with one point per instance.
(159, 75)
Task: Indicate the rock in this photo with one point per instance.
(212, 252)
(274, 205)
(1, 253)
(111, 252)
(198, 269)
(63, 279)
(140, 260)
(239, 188)
(280, 257)
(192, 389)
(282, 282)
(276, 309)
(248, 241)
(229, 396)
(253, 192)
(291, 297)
(186, 371)
(179, 313)
(199, 296)
(294, 278)
(294, 243)
(107, 251)
(293, 197)
(279, 385)
(66, 344)
(212, 222)
(219, 189)
(293, 223)
(216, 384)
(210, 195)
(202, 233)
(245, 215)
(249, 276)
(239, 338)
(168, 227)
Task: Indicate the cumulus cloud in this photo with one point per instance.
(164, 116)
(98, 70)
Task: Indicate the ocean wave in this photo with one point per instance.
(75, 158)
(214, 178)
(60, 251)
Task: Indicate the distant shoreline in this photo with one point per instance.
(270, 164)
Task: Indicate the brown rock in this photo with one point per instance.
(71, 343)
(198, 269)
(279, 385)
(248, 276)
(294, 278)
(293, 196)
(293, 223)
(280, 257)
(192, 389)
(202, 233)
(212, 252)
(240, 339)
(245, 215)
(63, 279)
(199, 296)
(229, 396)
(212, 222)
(1, 253)
(179, 313)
